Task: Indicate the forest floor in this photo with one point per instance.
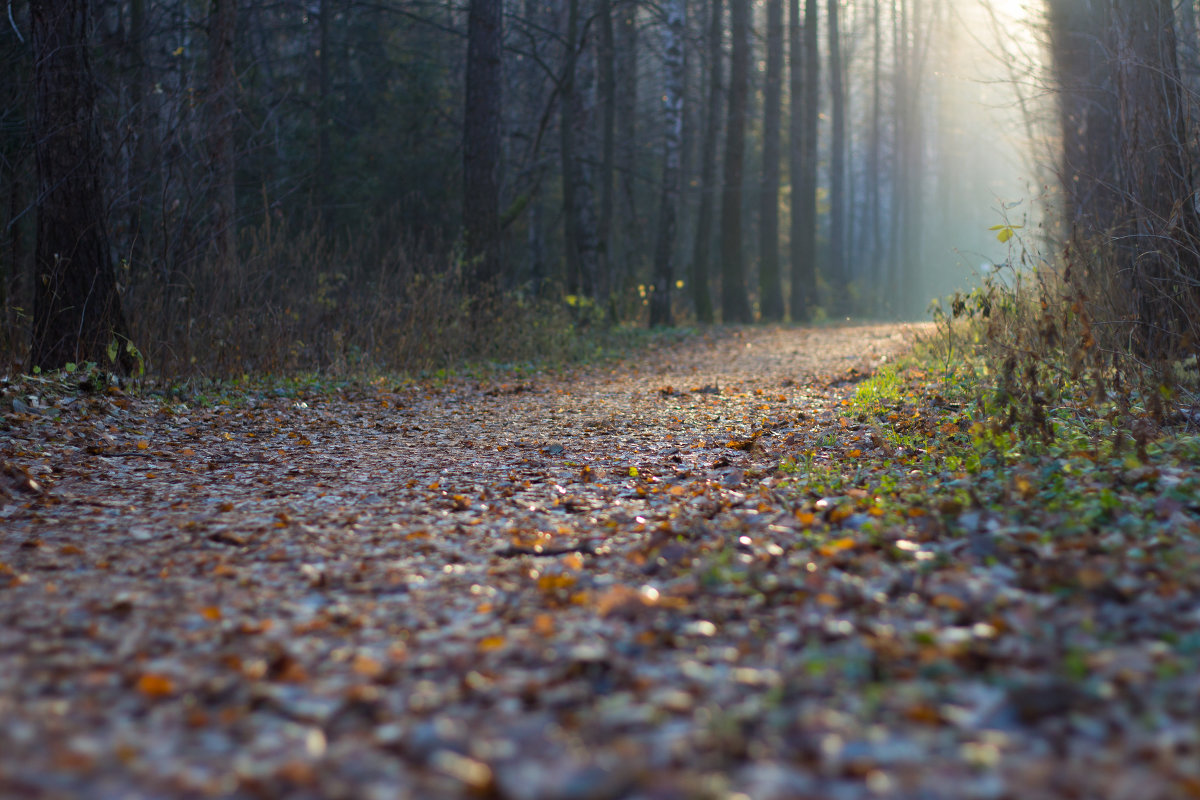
(752, 563)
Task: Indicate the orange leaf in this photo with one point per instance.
(552, 583)
(923, 713)
(367, 667)
(948, 601)
(154, 685)
(211, 613)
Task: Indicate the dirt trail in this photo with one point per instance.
(505, 586)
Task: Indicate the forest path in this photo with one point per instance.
(593, 584)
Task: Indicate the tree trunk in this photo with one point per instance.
(914, 161)
(579, 213)
(77, 310)
(628, 244)
(533, 100)
(1079, 33)
(735, 306)
(664, 250)
(566, 151)
(805, 61)
(481, 143)
(701, 294)
(837, 276)
(770, 288)
(873, 223)
(1187, 40)
(222, 26)
(138, 134)
(900, 180)
(324, 112)
(608, 129)
(1158, 224)
(1125, 172)
(583, 102)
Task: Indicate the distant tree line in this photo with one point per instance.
(715, 159)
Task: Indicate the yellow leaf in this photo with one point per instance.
(552, 583)
(836, 546)
(178, 51)
(142, 444)
(490, 643)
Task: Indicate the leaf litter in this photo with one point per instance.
(735, 567)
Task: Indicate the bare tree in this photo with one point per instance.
(77, 311)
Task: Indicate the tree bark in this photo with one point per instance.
(806, 61)
(222, 27)
(77, 310)
(1158, 230)
(735, 306)
(664, 250)
(874, 179)
(324, 111)
(1079, 36)
(481, 142)
(770, 287)
(608, 127)
(899, 198)
(701, 292)
(628, 244)
(837, 276)
(579, 211)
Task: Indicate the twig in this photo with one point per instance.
(513, 551)
(13, 23)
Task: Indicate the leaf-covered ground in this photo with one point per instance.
(739, 565)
